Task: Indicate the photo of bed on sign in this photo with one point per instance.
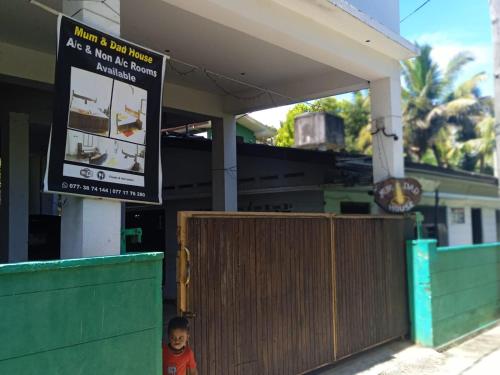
(128, 113)
(100, 151)
(90, 100)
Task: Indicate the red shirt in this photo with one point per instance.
(176, 364)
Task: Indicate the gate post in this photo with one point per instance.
(419, 257)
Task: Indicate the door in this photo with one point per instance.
(477, 226)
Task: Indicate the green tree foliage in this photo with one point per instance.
(479, 151)
(445, 123)
(437, 113)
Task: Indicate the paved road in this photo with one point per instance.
(477, 356)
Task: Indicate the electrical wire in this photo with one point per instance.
(213, 76)
(229, 93)
(110, 7)
(179, 72)
(415, 11)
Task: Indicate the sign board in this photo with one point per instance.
(397, 195)
(105, 137)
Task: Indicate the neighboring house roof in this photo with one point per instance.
(450, 172)
(354, 169)
(261, 132)
(258, 150)
(364, 161)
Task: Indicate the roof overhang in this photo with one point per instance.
(295, 50)
(358, 25)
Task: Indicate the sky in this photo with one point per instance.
(449, 26)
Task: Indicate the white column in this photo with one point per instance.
(224, 167)
(91, 227)
(495, 28)
(15, 189)
(102, 16)
(34, 184)
(385, 95)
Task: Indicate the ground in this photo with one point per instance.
(479, 355)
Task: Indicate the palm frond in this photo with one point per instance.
(470, 87)
(455, 67)
(461, 106)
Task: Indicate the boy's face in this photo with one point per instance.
(178, 338)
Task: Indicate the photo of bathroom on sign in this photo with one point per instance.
(90, 100)
(101, 151)
(128, 113)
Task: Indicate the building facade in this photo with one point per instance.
(227, 58)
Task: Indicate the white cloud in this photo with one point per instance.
(445, 46)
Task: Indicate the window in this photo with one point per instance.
(354, 208)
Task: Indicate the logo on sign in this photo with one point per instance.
(101, 175)
(86, 172)
(397, 195)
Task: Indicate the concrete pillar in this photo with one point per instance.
(34, 184)
(91, 227)
(385, 95)
(15, 189)
(102, 15)
(224, 167)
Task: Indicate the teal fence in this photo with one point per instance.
(454, 291)
(93, 316)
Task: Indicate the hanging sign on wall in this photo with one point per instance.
(105, 137)
(397, 195)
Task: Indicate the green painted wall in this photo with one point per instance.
(454, 290)
(247, 135)
(332, 203)
(87, 316)
(333, 198)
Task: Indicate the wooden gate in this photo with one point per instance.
(288, 293)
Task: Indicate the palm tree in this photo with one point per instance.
(431, 105)
(480, 150)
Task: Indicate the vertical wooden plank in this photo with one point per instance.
(260, 227)
(230, 317)
(287, 285)
(309, 274)
(260, 297)
(280, 270)
(334, 303)
(208, 297)
(295, 298)
(274, 298)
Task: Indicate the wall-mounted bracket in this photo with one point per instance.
(380, 126)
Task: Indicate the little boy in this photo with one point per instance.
(178, 358)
